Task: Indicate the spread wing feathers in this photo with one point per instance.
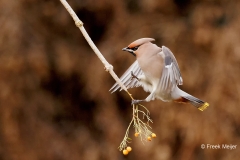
(171, 75)
(127, 79)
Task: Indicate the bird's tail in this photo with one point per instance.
(201, 105)
(183, 97)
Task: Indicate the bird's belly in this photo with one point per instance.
(150, 84)
(165, 95)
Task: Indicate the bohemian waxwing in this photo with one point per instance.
(157, 71)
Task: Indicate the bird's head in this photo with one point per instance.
(133, 47)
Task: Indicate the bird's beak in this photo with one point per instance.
(129, 50)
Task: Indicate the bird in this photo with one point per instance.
(156, 70)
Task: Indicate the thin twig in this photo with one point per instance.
(108, 67)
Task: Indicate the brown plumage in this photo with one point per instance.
(157, 71)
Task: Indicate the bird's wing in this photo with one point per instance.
(171, 75)
(127, 79)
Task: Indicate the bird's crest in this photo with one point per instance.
(140, 42)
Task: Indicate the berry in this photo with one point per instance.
(129, 149)
(149, 138)
(125, 152)
(154, 135)
(136, 134)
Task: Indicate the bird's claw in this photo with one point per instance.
(134, 76)
(136, 101)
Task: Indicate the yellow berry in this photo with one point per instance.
(125, 152)
(136, 134)
(129, 149)
(154, 135)
(149, 138)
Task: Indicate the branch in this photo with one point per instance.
(108, 67)
(141, 128)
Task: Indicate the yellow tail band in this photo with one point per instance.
(204, 106)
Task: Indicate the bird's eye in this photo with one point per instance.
(135, 48)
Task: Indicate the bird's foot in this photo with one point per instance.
(134, 76)
(136, 101)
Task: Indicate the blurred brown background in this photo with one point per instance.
(54, 99)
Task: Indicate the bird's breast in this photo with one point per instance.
(151, 65)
